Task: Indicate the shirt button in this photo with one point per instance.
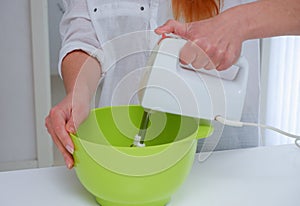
(95, 9)
(142, 8)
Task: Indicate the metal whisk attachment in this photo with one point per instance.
(140, 137)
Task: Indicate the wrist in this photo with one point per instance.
(235, 20)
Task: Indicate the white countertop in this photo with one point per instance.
(264, 176)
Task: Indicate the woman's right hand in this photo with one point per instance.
(63, 119)
(214, 43)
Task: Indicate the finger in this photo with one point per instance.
(204, 55)
(58, 124)
(172, 26)
(78, 115)
(225, 64)
(228, 60)
(70, 126)
(216, 56)
(187, 53)
(66, 155)
(194, 55)
(202, 60)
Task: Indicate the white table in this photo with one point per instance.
(265, 176)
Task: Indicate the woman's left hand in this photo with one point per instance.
(214, 43)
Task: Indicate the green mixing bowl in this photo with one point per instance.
(120, 175)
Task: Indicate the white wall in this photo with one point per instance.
(24, 85)
(55, 11)
(16, 83)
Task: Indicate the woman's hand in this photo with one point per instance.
(64, 118)
(214, 43)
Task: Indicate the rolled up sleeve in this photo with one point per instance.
(77, 31)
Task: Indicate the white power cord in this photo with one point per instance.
(241, 124)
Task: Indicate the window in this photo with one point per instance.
(281, 88)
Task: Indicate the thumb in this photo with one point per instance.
(78, 115)
(70, 126)
(172, 26)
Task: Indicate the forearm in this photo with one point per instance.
(80, 71)
(267, 18)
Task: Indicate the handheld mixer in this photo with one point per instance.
(202, 94)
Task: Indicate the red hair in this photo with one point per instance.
(195, 10)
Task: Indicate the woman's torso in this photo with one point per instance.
(125, 31)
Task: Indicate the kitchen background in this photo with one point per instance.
(30, 85)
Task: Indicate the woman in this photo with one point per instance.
(110, 37)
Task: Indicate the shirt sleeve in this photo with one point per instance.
(77, 31)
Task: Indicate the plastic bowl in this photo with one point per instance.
(120, 175)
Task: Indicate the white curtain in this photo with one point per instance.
(283, 89)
